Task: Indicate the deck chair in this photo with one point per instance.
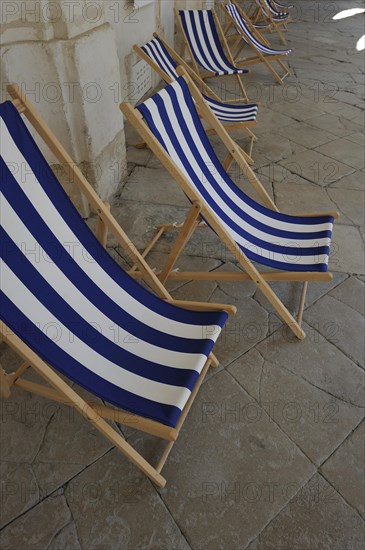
(266, 13)
(276, 5)
(297, 247)
(259, 27)
(146, 355)
(164, 60)
(207, 46)
(248, 36)
(277, 10)
(281, 7)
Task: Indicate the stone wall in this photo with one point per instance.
(136, 25)
(63, 55)
(73, 58)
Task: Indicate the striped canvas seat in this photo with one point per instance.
(72, 304)
(261, 25)
(269, 237)
(202, 35)
(157, 52)
(279, 6)
(276, 13)
(247, 34)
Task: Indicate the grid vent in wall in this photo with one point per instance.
(141, 80)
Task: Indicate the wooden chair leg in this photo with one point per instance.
(148, 249)
(281, 36)
(227, 163)
(302, 302)
(251, 146)
(184, 413)
(240, 83)
(284, 67)
(229, 158)
(4, 384)
(183, 237)
(273, 72)
(102, 230)
(253, 140)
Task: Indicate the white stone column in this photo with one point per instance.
(63, 54)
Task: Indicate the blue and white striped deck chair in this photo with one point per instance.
(264, 54)
(257, 28)
(282, 7)
(204, 37)
(66, 304)
(277, 19)
(297, 247)
(278, 13)
(164, 60)
(276, 6)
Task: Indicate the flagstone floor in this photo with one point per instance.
(271, 455)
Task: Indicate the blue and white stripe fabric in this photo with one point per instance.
(232, 113)
(284, 242)
(70, 302)
(272, 9)
(202, 35)
(159, 55)
(279, 6)
(247, 35)
(157, 52)
(261, 25)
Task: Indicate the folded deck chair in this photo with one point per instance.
(248, 36)
(66, 304)
(281, 7)
(297, 247)
(277, 19)
(205, 41)
(276, 10)
(258, 29)
(164, 60)
(275, 5)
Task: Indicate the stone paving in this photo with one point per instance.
(271, 455)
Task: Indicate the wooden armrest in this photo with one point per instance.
(204, 306)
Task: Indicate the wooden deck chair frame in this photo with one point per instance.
(262, 14)
(57, 389)
(186, 229)
(260, 57)
(236, 37)
(239, 44)
(245, 126)
(275, 26)
(206, 74)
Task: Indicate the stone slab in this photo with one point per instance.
(115, 506)
(317, 517)
(317, 168)
(345, 469)
(225, 501)
(316, 421)
(318, 361)
(345, 151)
(39, 527)
(340, 324)
(351, 292)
